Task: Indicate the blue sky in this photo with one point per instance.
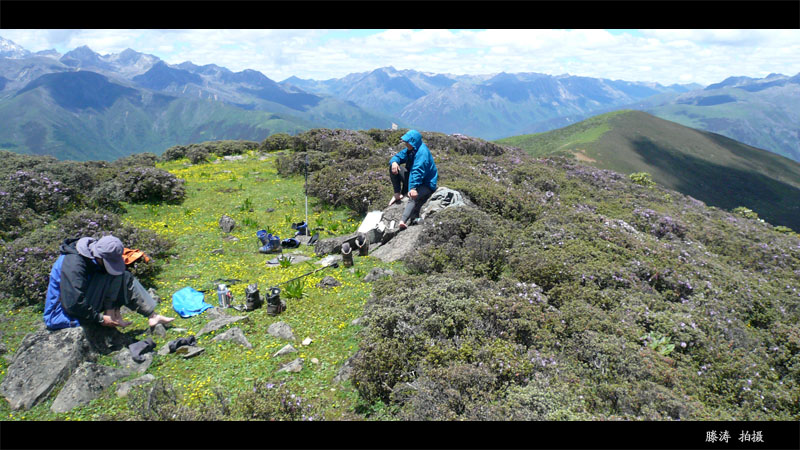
(663, 56)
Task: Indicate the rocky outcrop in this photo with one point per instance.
(126, 361)
(235, 335)
(329, 282)
(377, 273)
(226, 223)
(86, 384)
(281, 330)
(44, 360)
(294, 366)
(125, 388)
(220, 322)
(401, 245)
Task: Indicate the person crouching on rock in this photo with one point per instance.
(417, 179)
(89, 285)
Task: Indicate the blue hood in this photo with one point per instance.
(414, 138)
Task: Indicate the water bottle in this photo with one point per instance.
(223, 295)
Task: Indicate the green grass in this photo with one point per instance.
(323, 315)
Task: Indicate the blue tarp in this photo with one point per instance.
(189, 302)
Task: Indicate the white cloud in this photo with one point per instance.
(664, 56)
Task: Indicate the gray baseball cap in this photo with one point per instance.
(110, 249)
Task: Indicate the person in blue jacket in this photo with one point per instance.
(89, 284)
(417, 179)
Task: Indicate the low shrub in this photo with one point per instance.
(142, 185)
(273, 401)
(291, 163)
(462, 238)
(146, 159)
(198, 153)
(279, 141)
(340, 185)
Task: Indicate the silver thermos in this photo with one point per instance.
(224, 296)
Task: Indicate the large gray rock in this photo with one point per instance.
(44, 359)
(403, 244)
(125, 388)
(377, 273)
(288, 348)
(346, 371)
(220, 322)
(281, 330)
(334, 245)
(226, 223)
(294, 366)
(329, 282)
(125, 360)
(86, 384)
(235, 335)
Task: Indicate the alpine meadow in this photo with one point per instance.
(611, 250)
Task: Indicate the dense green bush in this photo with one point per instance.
(143, 185)
(198, 153)
(295, 162)
(279, 141)
(271, 401)
(463, 237)
(340, 185)
(146, 159)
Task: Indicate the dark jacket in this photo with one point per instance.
(75, 272)
(419, 162)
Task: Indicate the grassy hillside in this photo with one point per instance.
(35, 123)
(569, 293)
(762, 115)
(200, 256)
(715, 169)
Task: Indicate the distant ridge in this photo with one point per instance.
(715, 169)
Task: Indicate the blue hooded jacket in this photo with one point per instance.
(419, 162)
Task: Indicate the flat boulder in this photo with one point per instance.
(126, 361)
(44, 360)
(125, 388)
(334, 245)
(377, 273)
(87, 383)
(294, 366)
(235, 335)
(329, 282)
(220, 322)
(281, 330)
(401, 245)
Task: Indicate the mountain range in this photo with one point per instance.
(759, 112)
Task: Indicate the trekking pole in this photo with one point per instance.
(306, 191)
(334, 265)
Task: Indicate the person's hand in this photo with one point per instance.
(412, 194)
(109, 322)
(395, 168)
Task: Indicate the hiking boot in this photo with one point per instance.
(301, 227)
(362, 244)
(347, 255)
(313, 239)
(290, 243)
(262, 236)
(273, 244)
(253, 299)
(275, 304)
